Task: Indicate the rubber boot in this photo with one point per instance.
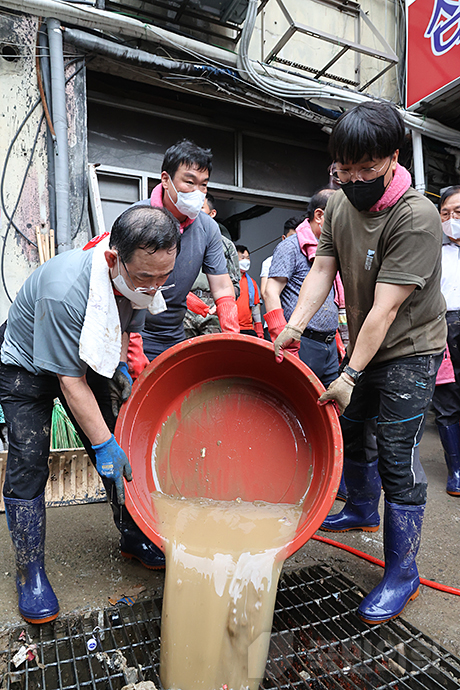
(361, 511)
(342, 493)
(400, 583)
(26, 522)
(133, 542)
(450, 439)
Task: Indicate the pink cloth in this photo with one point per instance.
(446, 370)
(307, 240)
(398, 186)
(308, 244)
(156, 199)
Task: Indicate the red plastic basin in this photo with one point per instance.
(217, 417)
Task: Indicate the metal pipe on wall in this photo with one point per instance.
(61, 151)
(46, 75)
(419, 170)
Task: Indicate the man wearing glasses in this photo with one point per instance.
(446, 399)
(385, 239)
(67, 337)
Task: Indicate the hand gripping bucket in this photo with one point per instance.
(217, 417)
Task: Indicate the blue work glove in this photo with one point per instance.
(120, 387)
(111, 462)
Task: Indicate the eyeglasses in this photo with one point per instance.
(153, 288)
(446, 215)
(365, 175)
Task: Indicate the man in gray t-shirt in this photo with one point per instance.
(184, 179)
(54, 345)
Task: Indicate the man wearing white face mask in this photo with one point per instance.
(66, 336)
(184, 179)
(446, 398)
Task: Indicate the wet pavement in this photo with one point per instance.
(86, 569)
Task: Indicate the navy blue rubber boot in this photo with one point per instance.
(26, 522)
(342, 493)
(133, 542)
(361, 510)
(400, 583)
(450, 439)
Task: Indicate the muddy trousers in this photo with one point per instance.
(397, 395)
(27, 401)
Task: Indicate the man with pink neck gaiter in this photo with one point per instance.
(385, 240)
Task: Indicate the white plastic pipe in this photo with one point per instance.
(419, 169)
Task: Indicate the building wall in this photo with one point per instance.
(315, 53)
(18, 95)
(22, 123)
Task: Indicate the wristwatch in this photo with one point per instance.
(355, 375)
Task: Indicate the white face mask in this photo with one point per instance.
(451, 228)
(188, 203)
(140, 300)
(245, 264)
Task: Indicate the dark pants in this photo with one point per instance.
(322, 358)
(27, 402)
(397, 394)
(446, 398)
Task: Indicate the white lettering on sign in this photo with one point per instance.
(444, 26)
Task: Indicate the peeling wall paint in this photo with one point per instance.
(18, 94)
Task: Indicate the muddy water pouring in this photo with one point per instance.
(235, 466)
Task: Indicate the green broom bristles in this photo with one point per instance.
(63, 433)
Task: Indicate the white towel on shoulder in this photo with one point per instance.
(100, 339)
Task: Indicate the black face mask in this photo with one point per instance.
(363, 195)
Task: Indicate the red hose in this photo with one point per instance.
(377, 561)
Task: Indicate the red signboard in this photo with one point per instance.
(433, 48)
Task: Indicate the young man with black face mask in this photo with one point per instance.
(385, 239)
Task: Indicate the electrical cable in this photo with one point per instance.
(376, 561)
(293, 87)
(29, 163)
(9, 217)
(40, 86)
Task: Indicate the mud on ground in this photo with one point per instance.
(86, 569)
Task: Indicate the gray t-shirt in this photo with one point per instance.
(289, 262)
(46, 318)
(201, 247)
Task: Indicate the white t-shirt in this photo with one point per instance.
(265, 268)
(450, 280)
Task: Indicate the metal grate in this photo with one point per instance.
(317, 642)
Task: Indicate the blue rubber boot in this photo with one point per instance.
(400, 583)
(26, 522)
(450, 439)
(342, 493)
(361, 511)
(134, 544)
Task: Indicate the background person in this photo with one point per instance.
(200, 317)
(292, 261)
(289, 229)
(66, 337)
(385, 239)
(248, 303)
(446, 398)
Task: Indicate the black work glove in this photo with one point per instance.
(120, 387)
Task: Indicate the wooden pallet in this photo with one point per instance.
(73, 479)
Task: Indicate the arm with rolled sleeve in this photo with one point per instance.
(111, 461)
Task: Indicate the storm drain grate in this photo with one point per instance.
(317, 642)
